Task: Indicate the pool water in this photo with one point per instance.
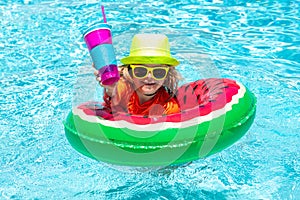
(46, 69)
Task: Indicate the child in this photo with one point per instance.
(148, 79)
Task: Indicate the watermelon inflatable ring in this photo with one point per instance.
(215, 113)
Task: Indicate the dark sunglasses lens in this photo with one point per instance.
(140, 72)
(159, 73)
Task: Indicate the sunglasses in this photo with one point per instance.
(141, 71)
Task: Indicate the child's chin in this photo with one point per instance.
(149, 88)
(148, 92)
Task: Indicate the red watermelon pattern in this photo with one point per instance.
(198, 98)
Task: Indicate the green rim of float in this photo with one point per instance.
(215, 114)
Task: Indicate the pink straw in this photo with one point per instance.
(103, 14)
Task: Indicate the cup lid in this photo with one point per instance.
(97, 26)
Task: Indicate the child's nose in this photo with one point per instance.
(149, 75)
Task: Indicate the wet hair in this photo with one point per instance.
(171, 82)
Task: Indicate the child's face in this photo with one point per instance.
(149, 78)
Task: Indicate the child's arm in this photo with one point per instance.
(116, 95)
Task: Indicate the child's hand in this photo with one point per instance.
(109, 88)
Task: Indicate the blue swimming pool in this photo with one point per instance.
(45, 70)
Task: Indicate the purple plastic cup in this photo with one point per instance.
(98, 39)
(109, 74)
(97, 34)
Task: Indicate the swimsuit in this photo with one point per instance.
(125, 99)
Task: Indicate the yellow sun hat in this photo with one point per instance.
(150, 49)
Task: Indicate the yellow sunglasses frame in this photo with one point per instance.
(149, 69)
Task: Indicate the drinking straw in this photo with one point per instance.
(103, 14)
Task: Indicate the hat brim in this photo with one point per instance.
(150, 60)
